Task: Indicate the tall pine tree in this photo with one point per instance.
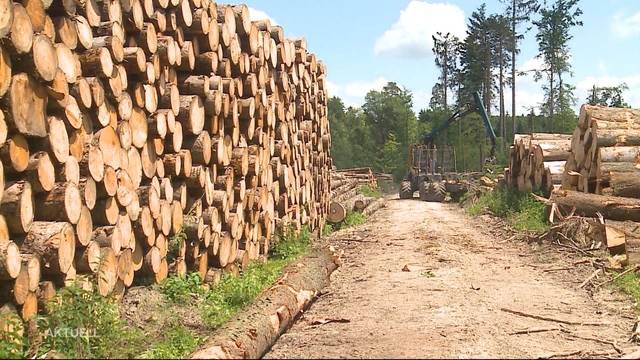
(519, 12)
(500, 36)
(553, 38)
(476, 60)
(446, 55)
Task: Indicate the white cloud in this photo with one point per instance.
(626, 26)
(421, 99)
(411, 35)
(535, 63)
(256, 14)
(353, 93)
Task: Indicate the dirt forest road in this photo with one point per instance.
(454, 299)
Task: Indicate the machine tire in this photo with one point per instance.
(406, 192)
(433, 192)
(422, 190)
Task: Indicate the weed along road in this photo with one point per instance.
(426, 280)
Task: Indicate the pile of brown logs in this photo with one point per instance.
(536, 161)
(601, 177)
(126, 122)
(346, 197)
(364, 175)
(605, 152)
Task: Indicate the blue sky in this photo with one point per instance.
(367, 43)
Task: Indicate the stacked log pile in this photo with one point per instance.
(127, 122)
(605, 152)
(364, 175)
(346, 196)
(601, 177)
(536, 161)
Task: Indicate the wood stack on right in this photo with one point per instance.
(605, 152)
(602, 175)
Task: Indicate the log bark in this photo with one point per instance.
(614, 208)
(272, 313)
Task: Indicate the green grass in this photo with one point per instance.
(178, 289)
(630, 284)
(174, 244)
(289, 245)
(366, 190)
(13, 343)
(353, 219)
(223, 301)
(521, 210)
(234, 293)
(328, 230)
(178, 343)
(82, 324)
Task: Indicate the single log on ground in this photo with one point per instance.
(252, 333)
(373, 207)
(611, 207)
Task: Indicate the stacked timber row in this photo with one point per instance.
(346, 196)
(362, 176)
(536, 161)
(605, 152)
(602, 175)
(126, 122)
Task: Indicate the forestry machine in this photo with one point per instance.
(431, 170)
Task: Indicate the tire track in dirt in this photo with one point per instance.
(449, 302)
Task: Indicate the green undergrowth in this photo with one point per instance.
(13, 343)
(177, 343)
(354, 219)
(630, 284)
(366, 190)
(328, 229)
(221, 302)
(82, 324)
(234, 293)
(521, 210)
(76, 324)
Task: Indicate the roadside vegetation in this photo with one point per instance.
(83, 324)
(366, 190)
(219, 303)
(521, 210)
(630, 284)
(77, 324)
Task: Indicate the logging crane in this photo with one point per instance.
(430, 168)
